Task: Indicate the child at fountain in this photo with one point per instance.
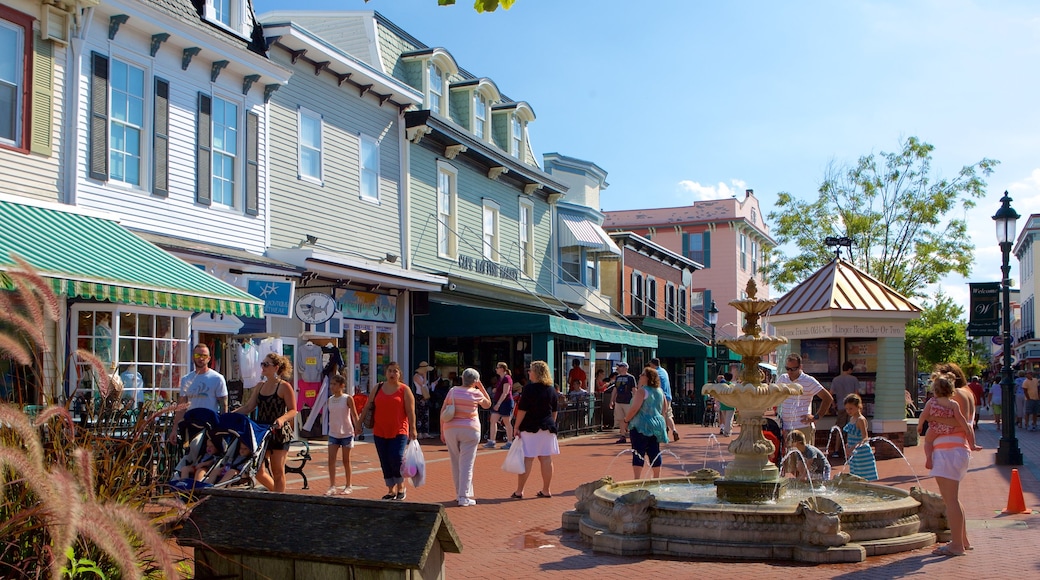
(812, 466)
(861, 457)
(942, 405)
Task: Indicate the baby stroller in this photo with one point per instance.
(246, 445)
(195, 430)
(711, 412)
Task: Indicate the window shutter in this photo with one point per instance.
(42, 122)
(707, 249)
(204, 156)
(252, 163)
(706, 305)
(98, 116)
(686, 245)
(161, 140)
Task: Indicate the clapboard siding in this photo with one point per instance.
(333, 210)
(178, 214)
(350, 32)
(38, 176)
(473, 188)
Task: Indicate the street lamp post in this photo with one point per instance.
(713, 319)
(1008, 453)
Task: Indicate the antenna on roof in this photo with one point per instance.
(839, 243)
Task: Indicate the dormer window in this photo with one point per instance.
(436, 89)
(480, 116)
(516, 137)
(229, 14)
(222, 11)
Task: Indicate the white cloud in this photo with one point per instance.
(709, 192)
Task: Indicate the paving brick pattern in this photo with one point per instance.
(507, 538)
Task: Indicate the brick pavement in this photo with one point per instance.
(506, 538)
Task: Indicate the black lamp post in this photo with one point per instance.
(713, 319)
(1008, 453)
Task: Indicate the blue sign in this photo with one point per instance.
(367, 306)
(276, 294)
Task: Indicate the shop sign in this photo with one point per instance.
(276, 294)
(357, 305)
(488, 268)
(846, 329)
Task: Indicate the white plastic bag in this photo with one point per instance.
(414, 465)
(514, 462)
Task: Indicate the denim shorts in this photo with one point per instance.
(341, 441)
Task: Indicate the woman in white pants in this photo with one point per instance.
(461, 433)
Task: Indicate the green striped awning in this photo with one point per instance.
(90, 257)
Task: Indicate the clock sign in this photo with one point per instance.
(315, 308)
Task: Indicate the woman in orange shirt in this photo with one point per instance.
(394, 428)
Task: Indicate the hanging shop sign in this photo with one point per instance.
(357, 305)
(276, 294)
(984, 318)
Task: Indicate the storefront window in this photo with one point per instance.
(147, 349)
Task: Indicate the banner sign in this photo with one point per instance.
(276, 294)
(367, 306)
(984, 317)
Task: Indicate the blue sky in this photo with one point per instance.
(683, 100)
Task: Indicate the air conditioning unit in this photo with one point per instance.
(54, 24)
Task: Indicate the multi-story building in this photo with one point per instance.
(1027, 343)
(729, 237)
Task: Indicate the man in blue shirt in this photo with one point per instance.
(666, 387)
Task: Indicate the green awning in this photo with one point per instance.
(90, 257)
(456, 320)
(674, 340)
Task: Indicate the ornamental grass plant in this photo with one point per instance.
(78, 499)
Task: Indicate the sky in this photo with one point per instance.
(688, 100)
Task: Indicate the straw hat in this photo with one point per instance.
(424, 367)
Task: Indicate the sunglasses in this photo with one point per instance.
(197, 355)
(791, 368)
(266, 364)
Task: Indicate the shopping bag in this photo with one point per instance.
(414, 465)
(514, 462)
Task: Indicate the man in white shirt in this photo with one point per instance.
(796, 410)
(201, 388)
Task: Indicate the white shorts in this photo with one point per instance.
(540, 444)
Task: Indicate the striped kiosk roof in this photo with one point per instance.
(840, 286)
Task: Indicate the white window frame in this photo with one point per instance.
(516, 135)
(18, 61)
(638, 293)
(743, 252)
(234, 21)
(447, 210)
(567, 276)
(526, 227)
(140, 157)
(754, 258)
(372, 173)
(304, 114)
(590, 270)
(433, 70)
(236, 156)
(485, 120)
(651, 296)
(682, 313)
(669, 301)
(490, 226)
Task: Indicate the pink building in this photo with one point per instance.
(729, 237)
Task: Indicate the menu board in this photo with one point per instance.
(862, 354)
(820, 356)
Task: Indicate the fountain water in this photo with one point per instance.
(746, 514)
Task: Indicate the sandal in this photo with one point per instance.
(540, 494)
(517, 495)
(945, 551)
(400, 496)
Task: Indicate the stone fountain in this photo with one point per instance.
(749, 513)
(751, 477)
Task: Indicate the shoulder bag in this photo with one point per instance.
(368, 414)
(448, 410)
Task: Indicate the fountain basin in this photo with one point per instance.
(846, 522)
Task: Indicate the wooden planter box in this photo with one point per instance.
(239, 534)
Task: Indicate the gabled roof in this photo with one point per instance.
(190, 12)
(841, 286)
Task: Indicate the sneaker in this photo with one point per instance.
(332, 491)
(621, 440)
(507, 445)
(466, 502)
(489, 445)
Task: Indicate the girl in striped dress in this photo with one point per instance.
(861, 457)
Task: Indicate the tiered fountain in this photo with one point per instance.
(750, 513)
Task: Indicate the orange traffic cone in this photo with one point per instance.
(1016, 503)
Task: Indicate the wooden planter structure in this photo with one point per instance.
(238, 534)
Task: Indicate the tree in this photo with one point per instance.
(897, 214)
(939, 335)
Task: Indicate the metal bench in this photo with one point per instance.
(295, 463)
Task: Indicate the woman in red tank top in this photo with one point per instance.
(394, 427)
